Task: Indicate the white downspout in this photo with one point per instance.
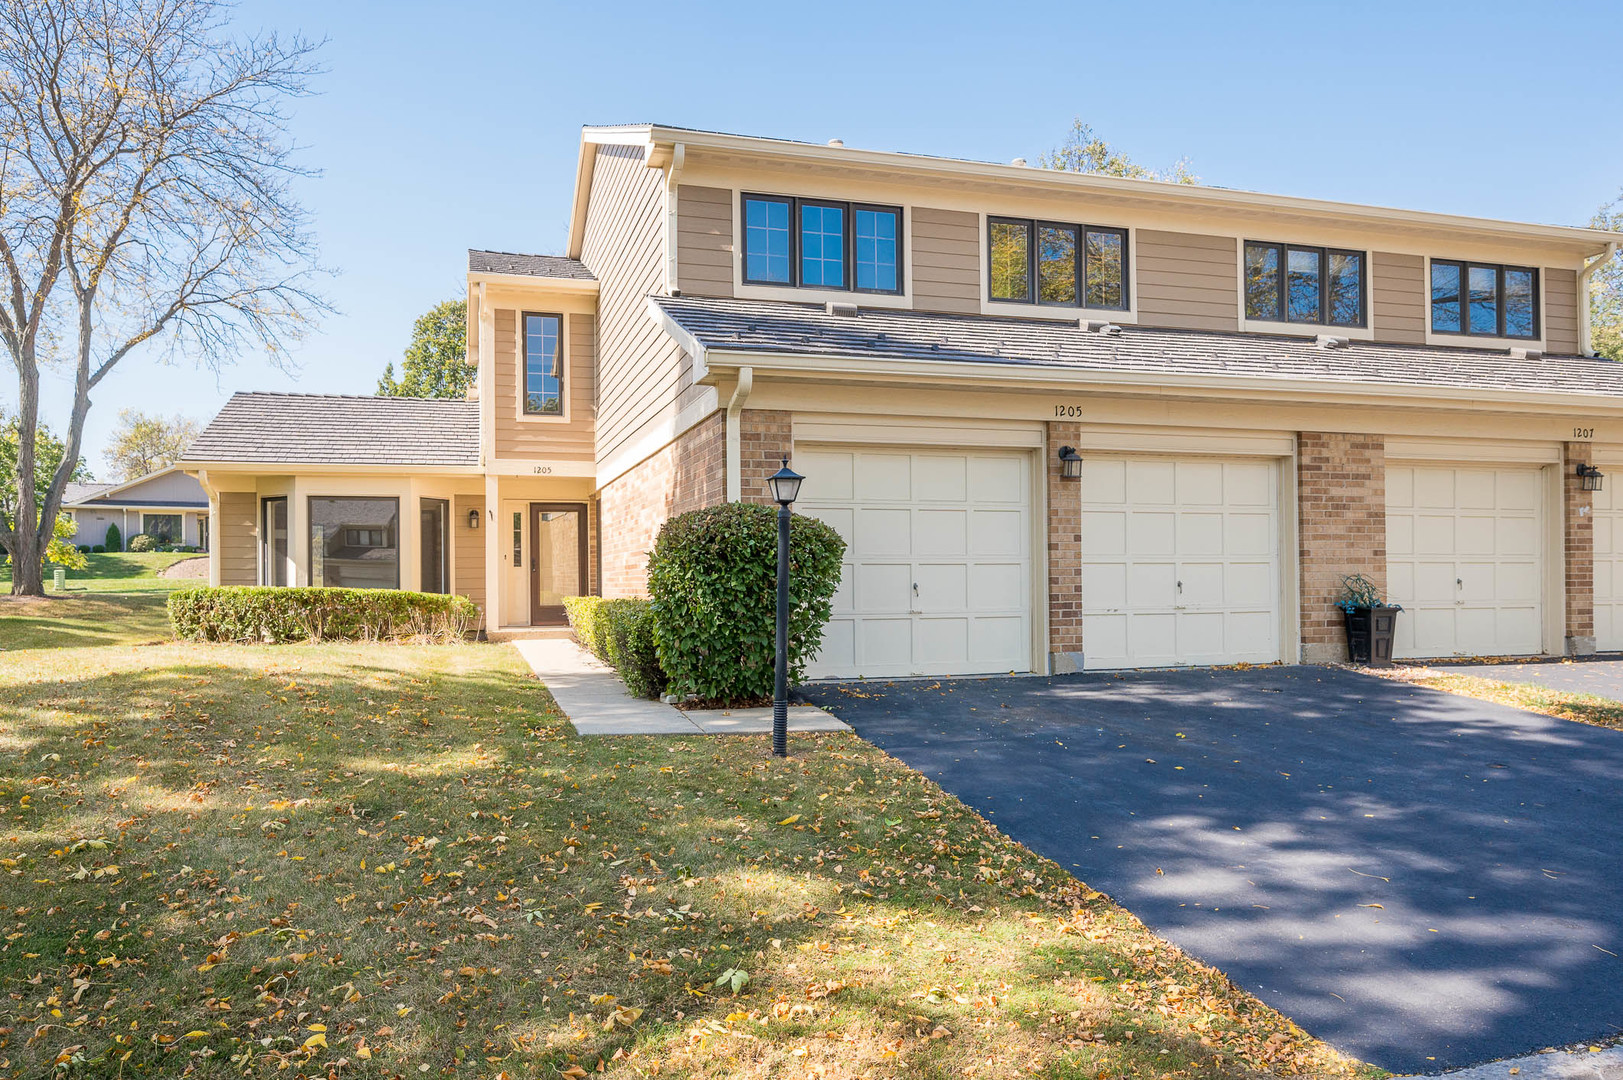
(1586, 343)
(735, 405)
(202, 476)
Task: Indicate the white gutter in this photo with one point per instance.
(1586, 343)
(202, 478)
(673, 176)
(735, 405)
(487, 378)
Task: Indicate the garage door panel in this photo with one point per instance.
(1202, 584)
(1399, 488)
(940, 532)
(884, 587)
(1434, 489)
(1151, 639)
(1602, 533)
(1248, 583)
(1516, 536)
(1248, 534)
(1199, 534)
(1149, 585)
(1518, 581)
(1434, 535)
(1198, 483)
(844, 601)
(1478, 582)
(1104, 483)
(1151, 482)
(943, 644)
(884, 531)
(1433, 583)
(997, 480)
(997, 532)
(1399, 535)
(1515, 627)
(1002, 639)
(1518, 489)
(1249, 483)
(1104, 532)
(839, 518)
(1107, 587)
(886, 644)
(1106, 638)
(1152, 533)
(1200, 637)
(997, 586)
(828, 474)
(1474, 534)
(940, 479)
(1250, 635)
(942, 587)
(1475, 490)
(885, 477)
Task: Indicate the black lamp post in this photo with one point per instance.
(785, 485)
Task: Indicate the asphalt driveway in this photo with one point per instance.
(1424, 880)
(1599, 675)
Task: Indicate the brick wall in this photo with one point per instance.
(1579, 525)
(1341, 496)
(1064, 555)
(765, 438)
(689, 473)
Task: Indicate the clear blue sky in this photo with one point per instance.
(441, 127)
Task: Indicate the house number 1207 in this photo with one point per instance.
(1583, 433)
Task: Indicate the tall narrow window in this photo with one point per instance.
(273, 541)
(1010, 254)
(1106, 269)
(433, 548)
(1056, 264)
(822, 246)
(876, 261)
(518, 539)
(1484, 300)
(1316, 286)
(766, 241)
(543, 365)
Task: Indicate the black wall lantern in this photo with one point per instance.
(1589, 477)
(473, 519)
(1070, 463)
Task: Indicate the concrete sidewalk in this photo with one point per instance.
(596, 701)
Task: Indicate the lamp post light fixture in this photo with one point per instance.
(785, 486)
(1070, 463)
(1589, 477)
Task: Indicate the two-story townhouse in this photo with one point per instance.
(1063, 421)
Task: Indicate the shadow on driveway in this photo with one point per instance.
(1423, 880)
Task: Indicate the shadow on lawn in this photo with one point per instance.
(1421, 879)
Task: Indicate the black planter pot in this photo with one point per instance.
(1369, 635)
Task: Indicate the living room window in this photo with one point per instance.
(543, 365)
(821, 244)
(355, 543)
(1055, 263)
(1484, 299)
(1293, 283)
(164, 528)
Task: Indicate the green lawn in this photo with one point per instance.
(118, 600)
(121, 572)
(374, 860)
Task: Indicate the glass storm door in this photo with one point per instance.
(557, 559)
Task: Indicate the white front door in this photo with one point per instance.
(1464, 556)
(1180, 562)
(515, 548)
(937, 572)
(1608, 567)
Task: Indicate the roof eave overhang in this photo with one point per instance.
(947, 374)
(325, 468)
(533, 281)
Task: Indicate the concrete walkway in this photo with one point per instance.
(596, 701)
(1557, 1065)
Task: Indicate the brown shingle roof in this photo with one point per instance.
(545, 266)
(340, 429)
(785, 328)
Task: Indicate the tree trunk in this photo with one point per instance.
(27, 552)
(27, 564)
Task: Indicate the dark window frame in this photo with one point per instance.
(269, 572)
(310, 533)
(443, 509)
(1464, 267)
(524, 318)
(1282, 252)
(848, 235)
(1080, 268)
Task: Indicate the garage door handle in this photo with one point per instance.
(915, 588)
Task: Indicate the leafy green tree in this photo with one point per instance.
(435, 364)
(1085, 151)
(48, 454)
(144, 444)
(1606, 290)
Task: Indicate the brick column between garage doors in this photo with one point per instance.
(1341, 530)
(1578, 524)
(1064, 555)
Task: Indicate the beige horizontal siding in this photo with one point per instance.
(238, 538)
(1397, 297)
(1560, 310)
(551, 439)
(641, 371)
(946, 257)
(1187, 280)
(468, 546)
(704, 241)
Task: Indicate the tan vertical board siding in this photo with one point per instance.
(1341, 530)
(704, 240)
(1188, 281)
(554, 440)
(1398, 298)
(640, 369)
(946, 255)
(469, 547)
(1560, 310)
(239, 557)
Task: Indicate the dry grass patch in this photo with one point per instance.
(365, 860)
(1565, 705)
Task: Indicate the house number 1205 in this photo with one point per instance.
(1068, 410)
(543, 470)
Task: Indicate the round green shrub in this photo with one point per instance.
(142, 542)
(713, 577)
(98, 548)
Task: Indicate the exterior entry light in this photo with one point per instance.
(1070, 463)
(1589, 477)
(473, 519)
(785, 484)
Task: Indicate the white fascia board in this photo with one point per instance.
(948, 375)
(533, 281)
(690, 344)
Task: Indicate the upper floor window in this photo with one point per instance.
(1291, 283)
(543, 365)
(819, 244)
(1048, 262)
(1484, 300)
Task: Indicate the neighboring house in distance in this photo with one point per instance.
(167, 505)
(1063, 421)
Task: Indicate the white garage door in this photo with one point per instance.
(1180, 562)
(1464, 556)
(1608, 568)
(937, 575)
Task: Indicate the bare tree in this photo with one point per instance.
(146, 176)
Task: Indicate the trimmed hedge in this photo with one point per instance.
(280, 615)
(713, 576)
(620, 633)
